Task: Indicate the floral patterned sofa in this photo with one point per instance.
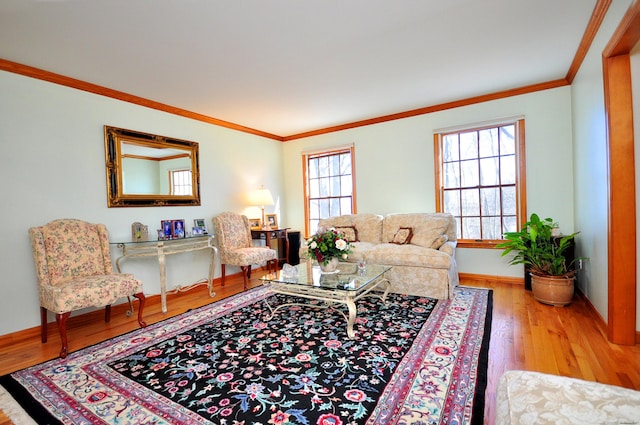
(420, 247)
(539, 398)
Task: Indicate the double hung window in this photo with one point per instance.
(180, 182)
(329, 185)
(480, 175)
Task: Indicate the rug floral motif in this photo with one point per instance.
(413, 360)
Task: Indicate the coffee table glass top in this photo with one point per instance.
(347, 277)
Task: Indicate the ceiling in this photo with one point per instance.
(287, 67)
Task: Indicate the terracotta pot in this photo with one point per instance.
(556, 291)
(331, 266)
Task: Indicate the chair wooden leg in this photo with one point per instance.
(43, 324)
(246, 271)
(249, 271)
(62, 328)
(140, 296)
(107, 314)
(222, 271)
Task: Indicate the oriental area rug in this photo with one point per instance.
(413, 361)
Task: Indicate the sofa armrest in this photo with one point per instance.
(449, 247)
(533, 397)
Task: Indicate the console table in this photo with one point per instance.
(160, 249)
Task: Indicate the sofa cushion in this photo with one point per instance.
(350, 233)
(360, 251)
(427, 228)
(369, 226)
(407, 255)
(403, 236)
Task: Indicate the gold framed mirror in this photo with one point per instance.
(147, 170)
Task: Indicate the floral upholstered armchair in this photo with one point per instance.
(74, 270)
(236, 247)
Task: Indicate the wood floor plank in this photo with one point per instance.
(525, 335)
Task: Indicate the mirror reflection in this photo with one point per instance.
(149, 170)
(154, 170)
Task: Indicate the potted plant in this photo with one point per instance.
(328, 246)
(542, 253)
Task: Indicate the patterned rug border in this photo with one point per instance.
(393, 410)
(22, 408)
(412, 366)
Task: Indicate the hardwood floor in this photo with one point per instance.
(525, 335)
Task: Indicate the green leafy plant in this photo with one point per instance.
(535, 247)
(326, 244)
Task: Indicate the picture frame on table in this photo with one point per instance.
(272, 220)
(197, 231)
(199, 223)
(166, 229)
(177, 229)
(255, 223)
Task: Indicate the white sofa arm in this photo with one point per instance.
(533, 397)
(448, 247)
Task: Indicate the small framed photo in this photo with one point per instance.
(272, 220)
(177, 227)
(197, 231)
(166, 229)
(255, 223)
(199, 223)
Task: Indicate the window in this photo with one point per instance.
(180, 182)
(329, 186)
(481, 179)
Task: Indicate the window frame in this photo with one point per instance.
(306, 156)
(173, 185)
(520, 185)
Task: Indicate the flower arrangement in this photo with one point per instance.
(326, 244)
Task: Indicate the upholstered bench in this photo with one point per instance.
(537, 398)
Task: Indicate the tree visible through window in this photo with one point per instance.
(329, 186)
(480, 172)
(181, 182)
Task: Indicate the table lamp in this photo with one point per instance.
(263, 197)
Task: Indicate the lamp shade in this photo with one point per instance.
(262, 197)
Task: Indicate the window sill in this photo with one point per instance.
(471, 243)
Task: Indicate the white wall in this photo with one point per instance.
(53, 166)
(590, 157)
(394, 165)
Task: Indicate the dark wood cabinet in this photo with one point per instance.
(294, 247)
(281, 239)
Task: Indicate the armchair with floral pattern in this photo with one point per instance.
(74, 270)
(236, 247)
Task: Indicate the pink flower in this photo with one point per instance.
(329, 419)
(279, 418)
(332, 343)
(225, 377)
(355, 395)
(303, 357)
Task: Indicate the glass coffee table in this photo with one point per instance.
(346, 286)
